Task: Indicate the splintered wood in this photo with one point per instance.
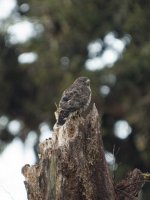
(72, 166)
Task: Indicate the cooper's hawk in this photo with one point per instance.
(74, 100)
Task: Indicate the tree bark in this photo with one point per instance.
(72, 165)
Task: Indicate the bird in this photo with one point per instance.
(75, 99)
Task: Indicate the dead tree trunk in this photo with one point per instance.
(72, 165)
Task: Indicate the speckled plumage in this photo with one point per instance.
(75, 99)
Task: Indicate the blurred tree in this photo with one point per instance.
(29, 91)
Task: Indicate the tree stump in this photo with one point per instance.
(72, 166)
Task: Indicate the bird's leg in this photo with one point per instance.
(79, 114)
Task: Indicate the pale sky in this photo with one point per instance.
(6, 7)
(11, 179)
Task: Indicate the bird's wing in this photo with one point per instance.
(73, 99)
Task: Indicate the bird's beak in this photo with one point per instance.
(88, 81)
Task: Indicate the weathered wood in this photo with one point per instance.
(129, 187)
(72, 164)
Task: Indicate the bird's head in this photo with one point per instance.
(83, 81)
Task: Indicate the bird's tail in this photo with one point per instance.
(63, 114)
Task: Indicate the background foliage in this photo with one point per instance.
(29, 91)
